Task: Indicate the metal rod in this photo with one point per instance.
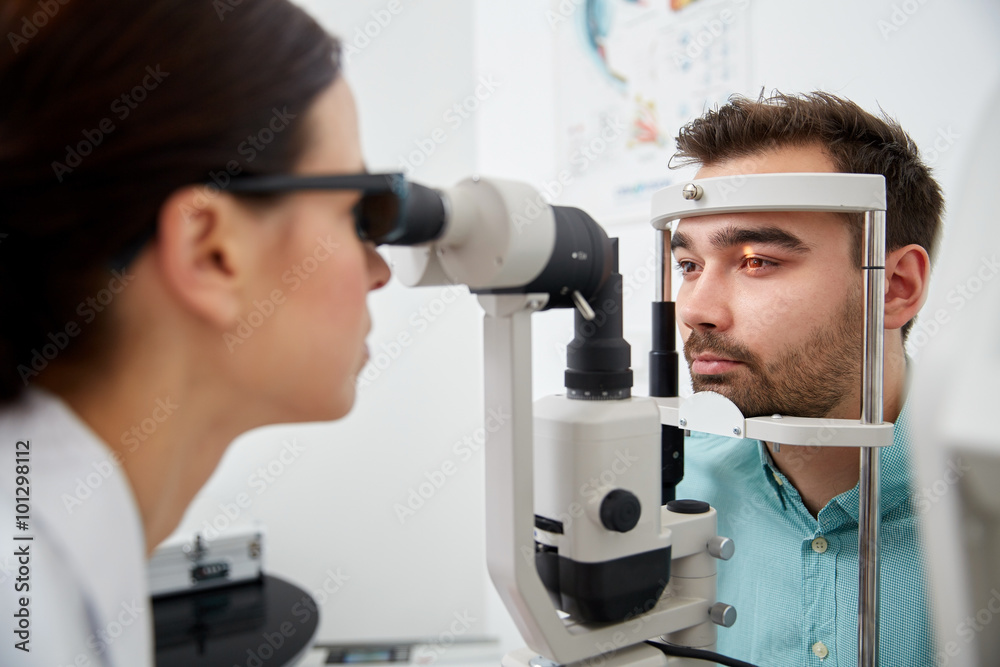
(662, 265)
(871, 413)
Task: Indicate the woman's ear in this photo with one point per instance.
(907, 271)
(202, 254)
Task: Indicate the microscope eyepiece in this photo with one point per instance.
(406, 214)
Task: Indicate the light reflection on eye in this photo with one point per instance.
(754, 264)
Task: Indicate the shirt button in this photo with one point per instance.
(820, 650)
(819, 545)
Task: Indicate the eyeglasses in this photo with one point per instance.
(391, 209)
(377, 214)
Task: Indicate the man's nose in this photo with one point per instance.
(704, 304)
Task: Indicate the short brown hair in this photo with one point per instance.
(857, 142)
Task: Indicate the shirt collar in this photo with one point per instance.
(895, 472)
(895, 477)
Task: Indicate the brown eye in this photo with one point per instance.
(757, 263)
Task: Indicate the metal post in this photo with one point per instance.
(662, 288)
(871, 413)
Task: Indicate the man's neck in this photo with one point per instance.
(820, 474)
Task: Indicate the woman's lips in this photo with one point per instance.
(709, 365)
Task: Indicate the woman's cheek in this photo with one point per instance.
(349, 282)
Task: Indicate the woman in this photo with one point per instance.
(147, 319)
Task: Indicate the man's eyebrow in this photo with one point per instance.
(679, 240)
(732, 236)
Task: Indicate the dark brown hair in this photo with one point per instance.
(107, 107)
(857, 142)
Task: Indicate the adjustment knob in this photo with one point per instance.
(620, 511)
(721, 547)
(722, 614)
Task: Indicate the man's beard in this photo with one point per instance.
(805, 381)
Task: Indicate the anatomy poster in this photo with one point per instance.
(628, 75)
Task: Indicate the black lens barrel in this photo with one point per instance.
(581, 260)
(598, 359)
(420, 220)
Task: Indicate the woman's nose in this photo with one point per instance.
(378, 270)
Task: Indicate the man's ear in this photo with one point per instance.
(201, 253)
(907, 271)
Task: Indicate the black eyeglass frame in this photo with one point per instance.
(364, 182)
(370, 185)
(394, 184)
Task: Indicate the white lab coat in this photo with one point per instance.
(88, 602)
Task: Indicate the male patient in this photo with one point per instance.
(770, 308)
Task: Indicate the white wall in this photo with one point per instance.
(333, 507)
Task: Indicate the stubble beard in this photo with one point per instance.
(808, 380)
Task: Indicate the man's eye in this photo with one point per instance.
(685, 267)
(754, 264)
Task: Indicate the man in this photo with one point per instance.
(770, 309)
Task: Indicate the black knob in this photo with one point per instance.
(688, 506)
(620, 510)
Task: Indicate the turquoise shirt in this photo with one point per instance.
(794, 579)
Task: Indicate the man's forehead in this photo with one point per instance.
(810, 157)
(792, 221)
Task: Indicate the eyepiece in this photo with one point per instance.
(409, 215)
